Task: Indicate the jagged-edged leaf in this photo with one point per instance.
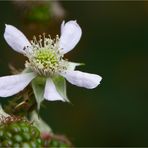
(60, 84)
(38, 85)
(72, 65)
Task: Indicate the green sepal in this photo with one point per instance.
(40, 123)
(73, 65)
(38, 85)
(60, 84)
(2, 112)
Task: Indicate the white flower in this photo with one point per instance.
(45, 61)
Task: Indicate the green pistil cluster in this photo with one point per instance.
(45, 58)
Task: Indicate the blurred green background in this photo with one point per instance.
(114, 45)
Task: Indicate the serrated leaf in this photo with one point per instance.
(72, 65)
(38, 85)
(60, 84)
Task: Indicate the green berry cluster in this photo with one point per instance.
(19, 134)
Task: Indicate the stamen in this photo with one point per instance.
(44, 56)
(40, 41)
(35, 40)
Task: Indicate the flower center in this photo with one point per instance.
(45, 57)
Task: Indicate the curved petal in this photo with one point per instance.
(72, 65)
(70, 35)
(10, 85)
(62, 26)
(51, 93)
(82, 79)
(16, 39)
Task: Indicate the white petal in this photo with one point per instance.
(16, 39)
(51, 93)
(72, 65)
(62, 26)
(70, 35)
(82, 79)
(10, 85)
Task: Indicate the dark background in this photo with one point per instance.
(114, 45)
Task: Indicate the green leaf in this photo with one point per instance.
(60, 84)
(72, 65)
(38, 85)
(39, 123)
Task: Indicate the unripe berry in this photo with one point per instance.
(17, 132)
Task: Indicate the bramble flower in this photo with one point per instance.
(46, 67)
